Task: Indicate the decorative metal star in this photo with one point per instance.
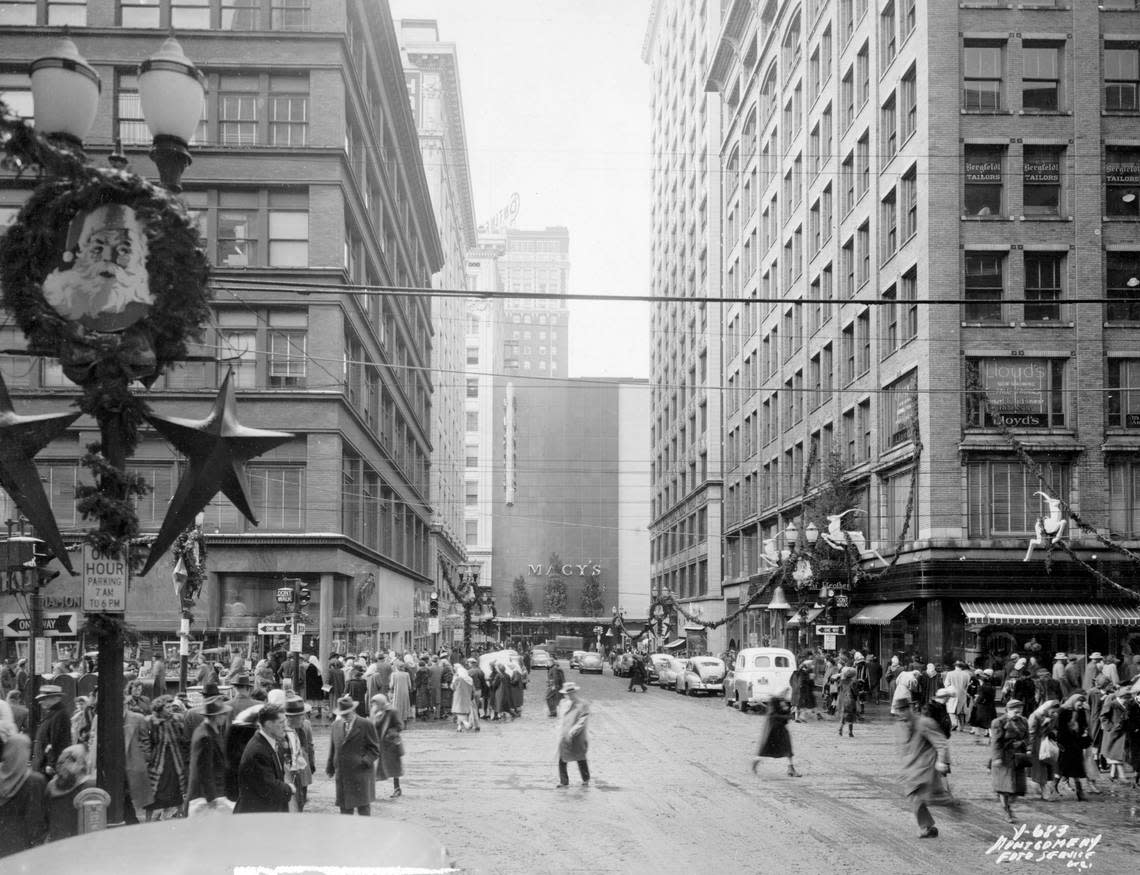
(218, 448)
(21, 437)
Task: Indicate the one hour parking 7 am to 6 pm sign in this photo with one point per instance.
(104, 582)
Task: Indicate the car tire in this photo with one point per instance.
(692, 693)
(741, 706)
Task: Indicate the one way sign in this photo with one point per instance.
(56, 625)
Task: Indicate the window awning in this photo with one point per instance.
(811, 615)
(673, 645)
(694, 627)
(879, 615)
(1047, 613)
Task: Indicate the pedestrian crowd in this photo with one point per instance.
(247, 745)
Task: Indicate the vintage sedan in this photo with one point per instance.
(540, 658)
(656, 662)
(590, 662)
(576, 658)
(670, 672)
(702, 674)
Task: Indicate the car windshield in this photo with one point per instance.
(704, 666)
(660, 660)
(539, 653)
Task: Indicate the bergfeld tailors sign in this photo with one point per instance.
(1042, 170)
(1122, 172)
(1017, 392)
(984, 169)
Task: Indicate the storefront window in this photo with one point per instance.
(1004, 499)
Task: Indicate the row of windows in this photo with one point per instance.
(242, 15)
(373, 514)
(689, 532)
(688, 581)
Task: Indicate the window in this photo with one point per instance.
(1041, 76)
(237, 339)
(1015, 392)
(241, 14)
(1041, 180)
(289, 14)
(825, 131)
(1003, 497)
(863, 245)
(908, 89)
(473, 387)
(471, 532)
(1124, 499)
(471, 493)
(16, 91)
(984, 286)
(863, 73)
(909, 187)
(190, 14)
(847, 94)
(899, 406)
(908, 296)
(863, 162)
(847, 351)
(889, 225)
(238, 99)
(983, 188)
(888, 126)
(890, 321)
(907, 17)
(982, 64)
(1122, 77)
(288, 110)
(825, 212)
(286, 344)
(1123, 386)
(18, 12)
(139, 13)
(472, 420)
(847, 180)
(277, 495)
(472, 355)
(863, 343)
(896, 498)
(288, 229)
(887, 34)
(237, 229)
(1123, 279)
(848, 266)
(1122, 180)
(1044, 273)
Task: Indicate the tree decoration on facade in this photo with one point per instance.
(554, 595)
(592, 596)
(521, 605)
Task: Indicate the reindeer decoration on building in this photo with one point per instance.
(837, 538)
(1054, 525)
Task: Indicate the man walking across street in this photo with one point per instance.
(555, 678)
(925, 754)
(54, 732)
(353, 749)
(573, 743)
(958, 679)
(261, 775)
(207, 757)
(637, 674)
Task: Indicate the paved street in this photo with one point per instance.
(673, 793)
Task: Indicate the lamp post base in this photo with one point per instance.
(171, 156)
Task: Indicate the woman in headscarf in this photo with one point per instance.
(23, 820)
(462, 695)
(847, 701)
(516, 683)
(500, 692)
(167, 766)
(70, 778)
(400, 692)
(775, 740)
(803, 691)
(1114, 732)
(1042, 725)
(388, 728)
(984, 711)
(1009, 743)
(1073, 739)
(423, 689)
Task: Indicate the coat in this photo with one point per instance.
(424, 687)
(351, 758)
(357, 688)
(847, 700)
(775, 741)
(136, 730)
(803, 689)
(391, 761)
(463, 694)
(1072, 739)
(921, 746)
(52, 736)
(984, 711)
(1009, 749)
(573, 743)
(435, 682)
(207, 764)
(261, 779)
(237, 737)
(400, 694)
(1113, 742)
(336, 683)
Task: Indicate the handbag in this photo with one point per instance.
(1048, 752)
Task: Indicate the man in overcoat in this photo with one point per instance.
(353, 750)
(261, 775)
(925, 753)
(207, 756)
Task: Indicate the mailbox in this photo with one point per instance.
(91, 806)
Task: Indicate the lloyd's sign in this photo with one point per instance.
(1017, 392)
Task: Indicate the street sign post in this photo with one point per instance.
(55, 625)
(295, 644)
(104, 583)
(831, 630)
(273, 629)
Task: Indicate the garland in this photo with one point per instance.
(190, 548)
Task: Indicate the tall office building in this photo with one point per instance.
(933, 192)
(535, 332)
(685, 444)
(306, 168)
(432, 71)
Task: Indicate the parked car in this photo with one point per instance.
(576, 658)
(591, 662)
(622, 663)
(653, 673)
(540, 659)
(760, 670)
(669, 672)
(701, 674)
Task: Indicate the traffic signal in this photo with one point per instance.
(305, 595)
(433, 605)
(44, 574)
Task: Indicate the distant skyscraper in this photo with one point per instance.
(686, 343)
(534, 335)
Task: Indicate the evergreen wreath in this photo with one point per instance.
(193, 560)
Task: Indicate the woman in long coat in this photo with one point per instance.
(1073, 739)
(847, 701)
(1042, 725)
(500, 692)
(1114, 734)
(516, 683)
(400, 689)
(388, 728)
(423, 688)
(462, 696)
(803, 690)
(167, 767)
(984, 711)
(1009, 745)
(775, 740)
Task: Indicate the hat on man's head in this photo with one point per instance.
(988, 672)
(1019, 665)
(210, 691)
(345, 705)
(944, 693)
(1014, 703)
(213, 708)
(959, 662)
(1095, 655)
(48, 690)
(294, 704)
(240, 680)
(568, 687)
(1060, 656)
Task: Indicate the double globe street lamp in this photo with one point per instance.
(65, 92)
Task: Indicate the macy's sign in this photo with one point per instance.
(567, 570)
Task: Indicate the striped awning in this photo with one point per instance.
(811, 615)
(1050, 614)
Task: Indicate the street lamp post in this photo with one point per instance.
(65, 90)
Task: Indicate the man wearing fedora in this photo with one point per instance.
(241, 692)
(207, 756)
(54, 732)
(261, 776)
(573, 743)
(299, 745)
(353, 749)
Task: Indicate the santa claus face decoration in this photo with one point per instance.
(102, 280)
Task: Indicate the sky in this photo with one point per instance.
(556, 101)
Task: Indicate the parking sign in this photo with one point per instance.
(104, 583)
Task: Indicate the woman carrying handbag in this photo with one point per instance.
(388, 728)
